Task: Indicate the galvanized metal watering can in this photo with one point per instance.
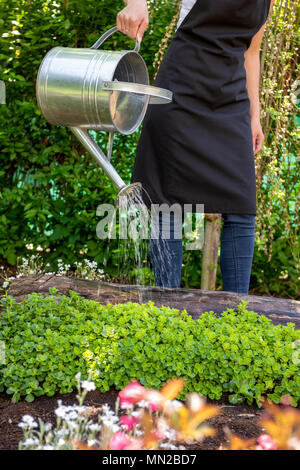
(97, 89)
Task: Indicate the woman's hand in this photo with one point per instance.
(257, 135)
(133, 20)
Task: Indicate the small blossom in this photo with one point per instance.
(143, 404)
(88, 385)
(131, 394)
(155, 399)
(128, 422)
(60, 412)
(31, 441)
(119, 441)
(92, 442)
(265, 442)
(95, 427)
(27, 421)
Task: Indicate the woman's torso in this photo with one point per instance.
(206, 56)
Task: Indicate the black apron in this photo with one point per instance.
(198, 149)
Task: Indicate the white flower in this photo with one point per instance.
(72, 415)
(62, 432)
(115, 428)
(31, 441)
(5, 284)
(77, 408)
(94, 427)
(92, 442)
(72, 425)
(88, 385)
(27, 422)
(78, 375)
(170, 434)
(106, 409)
(60, 412)
(143, 403)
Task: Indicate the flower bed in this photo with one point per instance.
(50, 339)
(151, 419)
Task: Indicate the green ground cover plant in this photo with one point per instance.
(50, 339)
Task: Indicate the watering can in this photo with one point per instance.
(97, 89)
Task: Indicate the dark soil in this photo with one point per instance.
(241, 420)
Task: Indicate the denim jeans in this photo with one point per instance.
(237, 246)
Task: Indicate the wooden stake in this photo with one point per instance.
(210, 251)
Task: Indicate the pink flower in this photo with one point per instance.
(266, 443)
(119, 441)
(136, 443)
(155, 399)
(131, 394)
(129, 422)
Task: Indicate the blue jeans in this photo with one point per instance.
(237, 246)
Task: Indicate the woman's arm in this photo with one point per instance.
(252, 66)
(133, 19)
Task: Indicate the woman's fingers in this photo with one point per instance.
(133, 19)
(120, 22)
(254, 143)
(140, 32)
(257, 135)
(258, 140)
(127, 25)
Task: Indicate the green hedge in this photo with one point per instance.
(49, 188)
(49, 339)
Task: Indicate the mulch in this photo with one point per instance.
(241, 420)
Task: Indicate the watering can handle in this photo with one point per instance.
(157, 95)
(106, 35)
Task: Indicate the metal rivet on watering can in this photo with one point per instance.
(97, 89)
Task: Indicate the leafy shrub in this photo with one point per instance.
(50, 187)
(49, 339)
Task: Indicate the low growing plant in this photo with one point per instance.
(50, 339)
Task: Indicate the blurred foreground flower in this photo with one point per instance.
(282, 429)
(152, 419)
(282, 424)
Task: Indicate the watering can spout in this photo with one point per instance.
(128, 191)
